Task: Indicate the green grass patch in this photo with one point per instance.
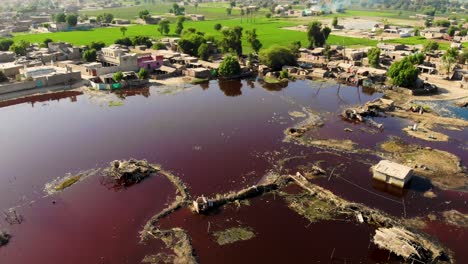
(375, 13)
(198, 81)
(67, 183)
(115, 103)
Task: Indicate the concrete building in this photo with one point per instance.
(392, 173)
(45, 76)
(115, 55)
(150, 62)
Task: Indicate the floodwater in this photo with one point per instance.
(216, 137)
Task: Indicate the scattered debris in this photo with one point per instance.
(12, 217)
(297, 114)
(348, 130)
(130, 172)
(311, 171)
(407, 244)
(370, 109)
(178, 241)
(456, 218)
(301, 128)
(417, 222)
(429, 194)
(234, 234)
(422, 132)
(333, 144)
(203, 205)
(4, 238)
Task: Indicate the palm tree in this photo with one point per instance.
(123, 30)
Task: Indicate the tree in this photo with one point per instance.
(218, 27)
(163, 27)
(317, 35)
(203, 51)
(242, 13)
(232, 40)
(284, 74)
(276, 57)
(191, 42)
(228, 11)
(335, 22)
(159, 46)
(144, 14)
(463, 57)
(105, 18)
(447, 63)
(143, 74)
(268, 15)
(403, 73)
(142, 40)
(430, 46)
(20, 48)
(374, 57)
(123, 30)
(124, 41)
(47, 41)
(442, 23)
(427, 23)
(98, 45)
(59, 18)
(5, 44)
(72, 20)
(294, 47)
(118, 76)
(180, 25)
(416, 59)
(90, 55)
(451, 31)
(233, 4)
(230, 67)
(253, 40)
(177, 10)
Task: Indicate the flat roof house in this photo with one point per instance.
(392, 173)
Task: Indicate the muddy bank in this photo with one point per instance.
(456, 218)
(442, 168)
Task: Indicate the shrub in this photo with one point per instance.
(230, 67)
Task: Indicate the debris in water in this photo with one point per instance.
(310, 207)
(406, 244)
(297, 114)
(4, 238)
(456, 218)
(233, 235)
(430, 194)
(62, 183)
(129, 172)
(12, 217)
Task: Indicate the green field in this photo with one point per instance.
(375, 13)
(269, 31)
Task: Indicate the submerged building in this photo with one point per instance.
(392, 173)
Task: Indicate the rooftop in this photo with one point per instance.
(393, 169)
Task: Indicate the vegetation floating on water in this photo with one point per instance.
(234, 234)
(177, 240)
(115, 103)
(313, 209)
(67, 182)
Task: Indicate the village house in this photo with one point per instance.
(195, 17)
(117, 56)
(11, 69)
(149, 61)
(392, 173)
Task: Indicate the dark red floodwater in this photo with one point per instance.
(216, 137)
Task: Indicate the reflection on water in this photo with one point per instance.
(231, 88)
(72, 95)
(446, 108)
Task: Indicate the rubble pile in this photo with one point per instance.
(370, 109)
(128, 172)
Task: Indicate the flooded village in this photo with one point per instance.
(189, 148)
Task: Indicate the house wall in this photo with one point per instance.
(15, 87)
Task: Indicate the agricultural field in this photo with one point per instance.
(270, 32)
